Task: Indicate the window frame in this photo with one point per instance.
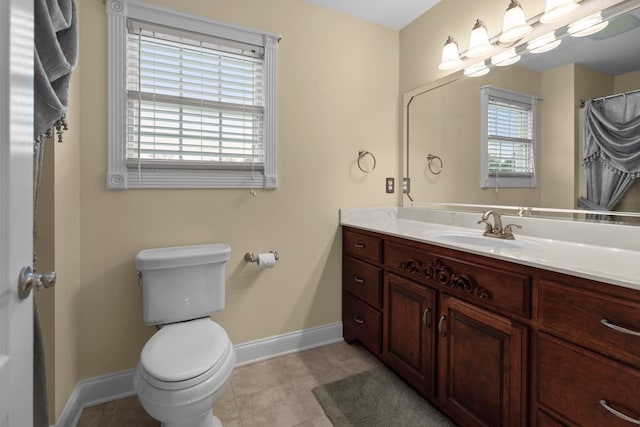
(506, 181)
(119, 174)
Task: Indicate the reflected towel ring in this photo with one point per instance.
(361, 155)
(430, 159)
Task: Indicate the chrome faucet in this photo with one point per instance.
(496, 229)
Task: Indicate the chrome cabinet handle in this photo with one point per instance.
(442, 333)
(426, 317)
(360, 245)
(618, 414)
(359, 320)
(358, 279)
(606, 323)
(29, 280)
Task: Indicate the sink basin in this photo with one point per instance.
(478, 240)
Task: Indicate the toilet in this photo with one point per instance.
(186, 365)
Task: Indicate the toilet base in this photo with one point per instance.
(209, 420)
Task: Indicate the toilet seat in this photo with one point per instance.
(181, 355)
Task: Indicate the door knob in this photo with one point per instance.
(29, 280)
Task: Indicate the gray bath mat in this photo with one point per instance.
(376, 398)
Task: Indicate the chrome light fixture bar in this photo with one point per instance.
(505, 49)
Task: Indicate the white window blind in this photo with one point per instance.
(508, 138)
(510, 135)
(193, 101)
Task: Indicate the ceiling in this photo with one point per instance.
(395, 14)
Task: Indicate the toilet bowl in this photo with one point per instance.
(184, 370)
(186, 365)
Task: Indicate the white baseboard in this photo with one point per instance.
(94, 391)
(292, 342)
(118, 385)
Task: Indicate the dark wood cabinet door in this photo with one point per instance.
(408, 337)
(481, 365)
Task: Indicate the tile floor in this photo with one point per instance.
(272, 393)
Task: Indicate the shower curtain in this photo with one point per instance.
(55, 56)
(611, 144)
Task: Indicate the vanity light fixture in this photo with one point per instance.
(479, 44)
(507, 57)
(587, 26)
(555, 10)
(476, 70)
(543, 43)
(450, 55)
(514, 25)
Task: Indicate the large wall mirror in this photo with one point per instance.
(442, 124)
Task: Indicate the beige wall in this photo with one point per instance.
(339, 85)
(557, 136)
(338, 93)
(627, 82)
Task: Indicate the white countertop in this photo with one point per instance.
(602, 252)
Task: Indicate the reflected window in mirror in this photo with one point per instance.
(508, 138)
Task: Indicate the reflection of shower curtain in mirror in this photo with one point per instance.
(611, 144)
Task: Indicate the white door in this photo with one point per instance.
(16, 210)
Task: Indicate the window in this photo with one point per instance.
(192, 102)
(508, 138)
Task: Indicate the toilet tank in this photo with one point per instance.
(183, 282)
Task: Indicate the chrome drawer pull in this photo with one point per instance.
(360, 245)
(358, 279)
(606, 323)
(619, 414)
(425, 319)
(359, 320)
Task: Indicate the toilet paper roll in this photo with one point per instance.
(266, 260)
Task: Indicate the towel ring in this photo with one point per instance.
(361, 155)
(430, 159)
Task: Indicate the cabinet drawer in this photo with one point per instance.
(591, 320)
(362, 280)
(364, 322)
(577, 385)
(493, 287)
(362, 246)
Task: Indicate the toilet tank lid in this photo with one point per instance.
(182, 256)
(181, 351)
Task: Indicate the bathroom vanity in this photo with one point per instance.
(495, 337)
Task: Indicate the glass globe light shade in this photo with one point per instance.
(508, 57)
(514, 25)
(479, 41)
(555, 10)
(543, 43)
(450, 55)
(587, 26)
(476, 70)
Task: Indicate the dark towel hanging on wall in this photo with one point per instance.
(55, 56)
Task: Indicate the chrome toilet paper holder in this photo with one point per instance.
(251, 257)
